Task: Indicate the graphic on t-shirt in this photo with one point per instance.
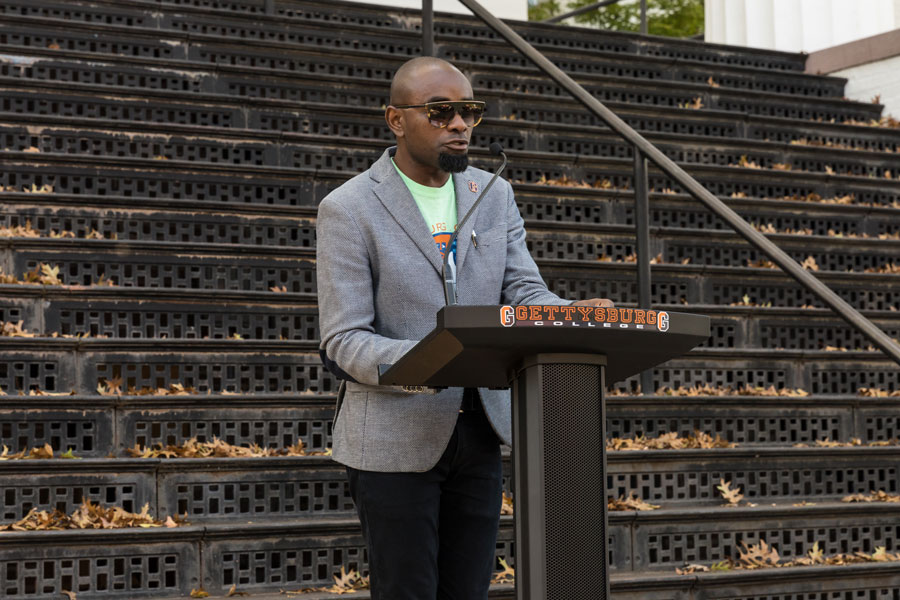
(442, 239)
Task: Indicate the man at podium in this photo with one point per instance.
(424, 466)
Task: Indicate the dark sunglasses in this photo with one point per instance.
(441, 114)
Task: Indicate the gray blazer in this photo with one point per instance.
(378, 275)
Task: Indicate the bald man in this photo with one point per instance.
(424, 466)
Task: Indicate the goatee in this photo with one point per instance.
(453, 163)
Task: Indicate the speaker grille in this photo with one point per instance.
(573, 487)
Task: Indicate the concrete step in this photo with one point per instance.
(94, 426)
(217, 490)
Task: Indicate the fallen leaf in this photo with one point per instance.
(732, 496)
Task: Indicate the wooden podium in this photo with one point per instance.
(558, 360)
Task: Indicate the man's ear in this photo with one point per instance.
(394, 119)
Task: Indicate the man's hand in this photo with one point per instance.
(604, 302)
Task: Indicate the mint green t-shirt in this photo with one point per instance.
(437, 205)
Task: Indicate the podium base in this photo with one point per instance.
(559, 471)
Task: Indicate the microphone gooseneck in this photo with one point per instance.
(448, 274)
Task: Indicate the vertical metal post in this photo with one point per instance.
(427, 28)
(642, 234)
(644, 17)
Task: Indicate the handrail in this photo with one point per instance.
(595, 6)
(644, 149)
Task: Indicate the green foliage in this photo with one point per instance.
(673, 18)
(543, 10)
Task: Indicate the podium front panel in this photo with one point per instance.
(559, 478)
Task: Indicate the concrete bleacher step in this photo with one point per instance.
(269, 555)
(274, 148)
(875, 579)
(146, 313)
(546, 37)
(391, 23)
(231, 490)
(260, 268)
(261, 43)
(865, 177)
(222, 70)
(65, 364)
(333, 118)
(96, 426)
(562, 208)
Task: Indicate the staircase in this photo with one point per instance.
(186, 144)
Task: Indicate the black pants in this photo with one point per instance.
(432, 535)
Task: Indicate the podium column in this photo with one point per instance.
(559, 470)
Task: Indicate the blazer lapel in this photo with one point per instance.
(395, 197)
(465, 198)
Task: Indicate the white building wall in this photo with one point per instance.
(504, 9)
(798, 25)
(881, 78)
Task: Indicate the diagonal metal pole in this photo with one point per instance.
(878, 338)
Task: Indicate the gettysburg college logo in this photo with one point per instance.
(584, 316)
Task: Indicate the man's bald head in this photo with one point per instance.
(406, 84)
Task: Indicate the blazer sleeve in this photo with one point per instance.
(522, 282)
(349, 346)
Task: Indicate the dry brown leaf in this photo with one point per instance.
(632, 502)
(507, 575)
(746, 163)
(669, 441)
(810, 264)
(873, 496)
(20, 231)
(199, 593)
(761, 263)
(695, 104)
(87, 516)
(50, 275)
(732, 496)
(110, 387)
(691, 569)
(890, 268)
(217, 448)
(758, 555)
(877, 393)
(762, 556)
(506, 504)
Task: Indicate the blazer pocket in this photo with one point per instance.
(492, 236)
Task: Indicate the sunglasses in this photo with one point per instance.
(441, 114)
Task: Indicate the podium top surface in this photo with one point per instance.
(482, 346)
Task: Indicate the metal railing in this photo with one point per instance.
(593, 7)
(644, 151)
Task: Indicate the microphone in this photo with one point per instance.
(448, 274)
